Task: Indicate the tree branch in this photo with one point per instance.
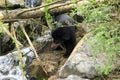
(37, 12)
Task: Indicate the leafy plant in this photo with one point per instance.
(48, 18)
(1, 25)
(73, 1)
(106, 34)
(48, 1)
(95, 13)
(106, 39)
(22, 65)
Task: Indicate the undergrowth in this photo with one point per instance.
(107, 32)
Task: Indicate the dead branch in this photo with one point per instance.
(37, 12)
(40, 11)
(29, 41)
(17, 45)
(32, 9)
(9, 34)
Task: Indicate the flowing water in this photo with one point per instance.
(9, 65)
(32, 3)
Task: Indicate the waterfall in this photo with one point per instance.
(32, 3)
(9, 65)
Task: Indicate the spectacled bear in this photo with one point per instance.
(63, 19)
(65, 34)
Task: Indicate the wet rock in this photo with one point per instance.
(9, 65)
(32, 3)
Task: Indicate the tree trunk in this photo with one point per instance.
(39, 11)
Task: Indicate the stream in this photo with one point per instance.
(9, 65)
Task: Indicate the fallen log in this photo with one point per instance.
(40, 11)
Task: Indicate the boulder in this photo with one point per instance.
(70, 77)
(82, 62)
(73, 77)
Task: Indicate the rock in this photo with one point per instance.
(10, 66)
(46, 38)
(70, 77)
(73, 77)
(82, 63)
(6, 44)
(11, 3)
(32, 3)
(36, 72)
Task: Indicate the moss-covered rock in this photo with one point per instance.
(36, 71)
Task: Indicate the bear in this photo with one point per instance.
(64, 33)
(63, 19)
(65, 36)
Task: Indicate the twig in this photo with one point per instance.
(6, 9)
(9, 34)
(67, 3)
(17, 46)
(0, 44)
(11, 20)
(29, 41)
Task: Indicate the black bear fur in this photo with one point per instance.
(65, 36)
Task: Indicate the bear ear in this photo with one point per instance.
(65, 35)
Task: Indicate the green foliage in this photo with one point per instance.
(48, 17)
(24, 73)
(104, 70)
(106, 39)
(73, 1)
(47, 14)
(14, 40)
(106, 36)
(48, 1)
(95, 14)
(22, 65)
(3, 25)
